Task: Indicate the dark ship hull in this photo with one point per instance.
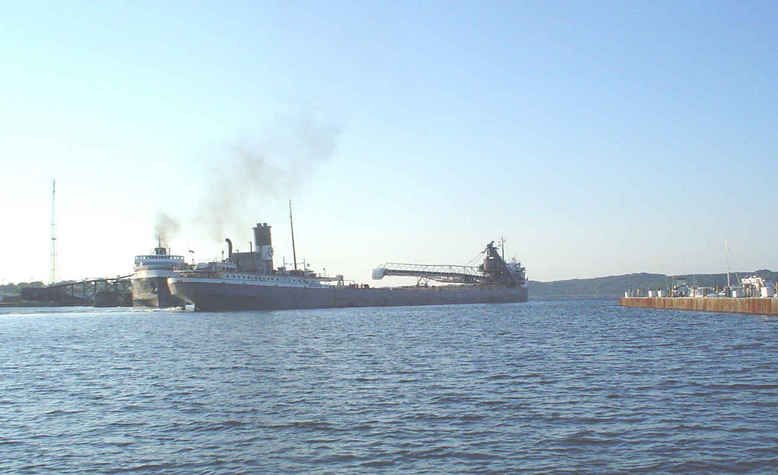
(221, 295)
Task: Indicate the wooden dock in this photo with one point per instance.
(759, 306)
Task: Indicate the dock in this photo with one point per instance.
(98, 292)
(753, 305)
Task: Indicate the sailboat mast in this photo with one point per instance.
(726, 251)
(291, 226)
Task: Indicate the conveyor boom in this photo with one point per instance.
(440, 273)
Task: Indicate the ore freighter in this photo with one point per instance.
(149, 281)
(248, 281)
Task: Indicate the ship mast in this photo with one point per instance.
(291, 226)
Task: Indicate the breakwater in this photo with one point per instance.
(761, 306)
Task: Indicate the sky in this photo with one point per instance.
(598, 138)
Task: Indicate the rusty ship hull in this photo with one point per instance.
(153, 292)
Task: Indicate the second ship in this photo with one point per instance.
(149, 278)
(248, 281)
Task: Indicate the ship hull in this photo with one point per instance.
(153, 292)
(221, 295)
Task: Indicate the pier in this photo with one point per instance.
(100, 292)
(759, 306)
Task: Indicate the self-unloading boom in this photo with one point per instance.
(439, 273)
(494, 270)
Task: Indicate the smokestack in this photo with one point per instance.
(229, 248)
(264, 247)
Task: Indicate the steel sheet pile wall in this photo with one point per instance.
(761, 306)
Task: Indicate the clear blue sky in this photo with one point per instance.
(598, 137)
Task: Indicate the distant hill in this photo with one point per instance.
(615, 285)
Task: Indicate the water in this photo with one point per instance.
(575, 385)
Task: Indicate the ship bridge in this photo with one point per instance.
(439, 273)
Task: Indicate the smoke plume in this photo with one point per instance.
(251, 171)
(165, 228)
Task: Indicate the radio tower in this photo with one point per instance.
(53, 264)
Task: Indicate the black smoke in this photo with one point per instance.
(250, 172)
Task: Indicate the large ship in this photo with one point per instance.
(149, 280)
(248, 281)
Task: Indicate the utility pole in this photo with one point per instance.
(53, 263)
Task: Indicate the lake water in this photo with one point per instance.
(561, 385)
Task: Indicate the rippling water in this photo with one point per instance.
(575, 385)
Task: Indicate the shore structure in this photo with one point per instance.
(753, 295)
(100, 292)
(755, 305)
(248, 281)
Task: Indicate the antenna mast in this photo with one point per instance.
(291, 226)
(53, 263)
